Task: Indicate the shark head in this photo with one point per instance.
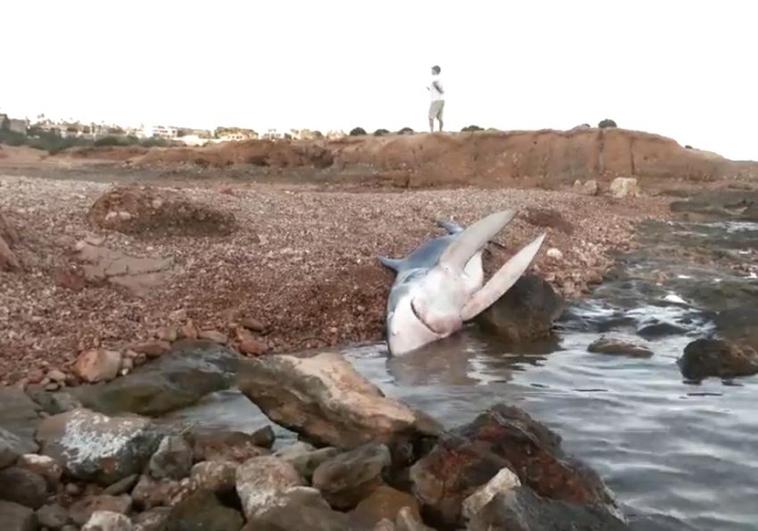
(434, 300)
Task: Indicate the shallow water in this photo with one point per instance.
(679, 454)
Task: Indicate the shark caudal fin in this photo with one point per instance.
(474, 238)
(502, 281)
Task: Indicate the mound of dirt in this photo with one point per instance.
(117, 153)
(149, 211)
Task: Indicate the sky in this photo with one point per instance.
(683, 69)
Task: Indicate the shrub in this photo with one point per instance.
(155, 141)
(471, 129)
(606, 123)
(405, 131)
(381, 132)
(358, 131)
(12, 138)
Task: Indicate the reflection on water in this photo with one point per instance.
(678, 455)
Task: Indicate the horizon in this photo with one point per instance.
(683, 73)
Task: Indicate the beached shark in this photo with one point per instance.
(440, 285)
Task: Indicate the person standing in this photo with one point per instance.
(438, 98)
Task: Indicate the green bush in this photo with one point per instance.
(117, 141)
(471, 129)
(381, 132)
(12, 138)
(405, 131)
(358, 131)
(155, 141)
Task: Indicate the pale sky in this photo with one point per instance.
(685, 69)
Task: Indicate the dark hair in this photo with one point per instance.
(437, 68)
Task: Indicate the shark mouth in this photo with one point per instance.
(421, 320)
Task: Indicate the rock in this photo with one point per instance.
(172, 460)
(407, 520)
(8, 259)
(660, 329)
(503, 436)
(152, 520)
(91, 446)
(718, 358)
(152, 349)
(179, 378)
(589, 187)
(608, 345)
(327, 402)
(525, 313)
(501, 482)
(82, 510)
(383, 503)
(264, 437)
(384, 524)
(19, 416)
(149, 493)
(57, 376)
(16, 517)
(299, 508)
(520, 509)
(607, 122)
(214, 476)
(739, 325)
(23, 487)
(252, 324)
(149, 212)
(305, 458)
(202, 511)
(108, 521)
(122, 486)
(52, 516)
(11, 448)
(554, 253)
(347, 478)
(260, 482)
(98, 365)
(624, 187)
(43, 465)
(214, 335)
(226, 446)
(55, 403)
(248, 344)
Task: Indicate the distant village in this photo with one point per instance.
(172, 134)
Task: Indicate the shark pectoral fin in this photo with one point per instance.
(390, 263)
(474, 238)
(502, 281)
(450, 226)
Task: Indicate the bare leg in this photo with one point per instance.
(440, 126)
(431, 125)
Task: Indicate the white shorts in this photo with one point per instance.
(435, 109)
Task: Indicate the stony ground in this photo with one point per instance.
(302, 261)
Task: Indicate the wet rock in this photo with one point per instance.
(347, 478)
(91, 446)
(525, 313)
(503, 437)
(305, 458)
(407, 520)
(214, 476)
(520, 509)
(383, 503)
(11, 447)
(15, 517)
(610, 345)
(327, 402)
(502, 482)
(23, 487)
(152, 520)
(202, 510)
(261, 481)
(98, 365)
(52, 516)
(149, 492)
(660, 329)
(108, 521)
(703, 358)
(228, 445)
(299, 508)
(624, 187)
(19, 416)
(172, 459)
(45, 466)
(179, 378)
(149, 212)
(739, 325)
(81, 510)
(122, 486)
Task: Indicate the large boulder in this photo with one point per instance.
(703, 358)
(179, 378)
(383, 503)
(23, 486)
(525, 312)
(108, 521)
(520, 509)
(622, 187)
(299, 508)
(92, 446)
(172, 460)
(262, 481)
(503, 437)
(11, 447)
(149, 211)
(15, 517)
(214, 476)
(328, 403)
(203, 511)
(19, 416)
(347, 478)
